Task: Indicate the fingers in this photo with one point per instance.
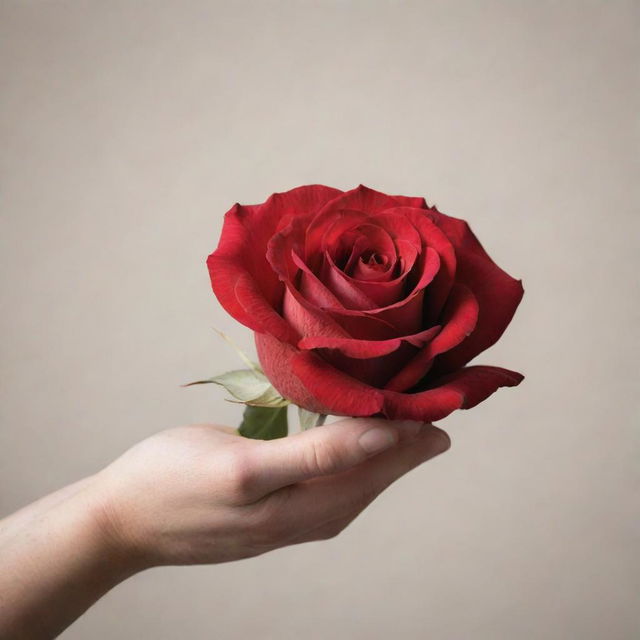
(378, 474)
(328, 450)
(320, 508)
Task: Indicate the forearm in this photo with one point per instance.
(56, 559)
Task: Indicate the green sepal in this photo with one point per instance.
(310, 419)
(264, 423)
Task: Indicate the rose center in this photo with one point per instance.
(374, 260)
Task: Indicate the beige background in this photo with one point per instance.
(129, 128)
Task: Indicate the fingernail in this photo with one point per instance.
(378, 439)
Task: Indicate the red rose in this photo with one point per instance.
(364, 303)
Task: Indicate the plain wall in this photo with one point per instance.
(129, 128)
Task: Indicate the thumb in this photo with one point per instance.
(326, 450)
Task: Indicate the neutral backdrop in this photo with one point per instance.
(129, 128)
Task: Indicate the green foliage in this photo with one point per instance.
(249, 386)
(264, 423)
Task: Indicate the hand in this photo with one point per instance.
(197, 494)
(201, 494)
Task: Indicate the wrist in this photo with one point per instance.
(108, 532)
(58, 558)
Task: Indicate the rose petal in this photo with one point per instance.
(375, 268)
(325, 231)
(242, 251)
(399, 226)
(459, 232)
(364, 237)
(308, 319)
(405, 316)
(316, 301)
(411, 201)
(361, 199)
(338, 393)
(224, 274)
(360, 245)
(382, 294)
(497, 292)
(312, 289)
(459, 319)
(261, 313)
(290, 268)
(461, 390)
(386, 293)
(359, 324)
(275, 359)
(344, 288)
(436, 239)
(361, 349)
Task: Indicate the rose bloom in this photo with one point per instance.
(364, 303)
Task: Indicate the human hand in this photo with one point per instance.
(196, 494)
(202, 494)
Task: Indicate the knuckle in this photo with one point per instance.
(240, 475)
(323, 458)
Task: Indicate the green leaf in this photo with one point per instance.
(248, 386)
(244, 384)
(270, 398)
(309, 419)
(264, 423)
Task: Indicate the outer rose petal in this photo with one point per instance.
(461, 390)
(242, 249)
(497, 292)
(338, 392)
(459, 232)
(275, 358)
(411, 201)
(224, 273)
(362, 199)
(259, 310)
(370, 361)
(312, 383)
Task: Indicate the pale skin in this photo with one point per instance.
(198, 494)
